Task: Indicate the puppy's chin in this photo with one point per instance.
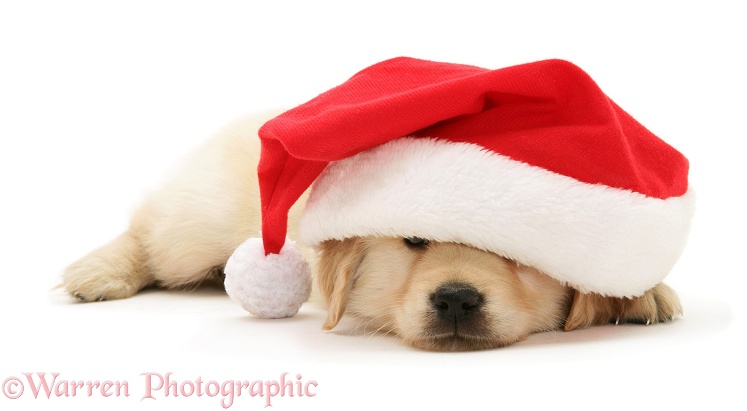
(458, 343)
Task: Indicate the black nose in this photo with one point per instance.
(454, 302)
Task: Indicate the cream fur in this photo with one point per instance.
(388, 286)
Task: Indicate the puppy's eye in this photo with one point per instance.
(416, 242)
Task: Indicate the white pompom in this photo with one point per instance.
(272, 286)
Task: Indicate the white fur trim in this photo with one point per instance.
(272, 286)
(592, 237)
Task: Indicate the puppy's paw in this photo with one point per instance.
(112, 272)
(92, 282)
(659, 304)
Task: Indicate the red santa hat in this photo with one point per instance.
(532, 162)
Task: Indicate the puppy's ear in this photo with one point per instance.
(338, 261)
(659, 304)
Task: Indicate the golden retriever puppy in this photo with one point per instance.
(435, 295)
(452, 297)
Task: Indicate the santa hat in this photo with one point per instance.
(532, 162)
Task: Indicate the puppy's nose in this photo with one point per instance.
(454, 302)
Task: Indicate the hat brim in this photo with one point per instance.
(592, 237)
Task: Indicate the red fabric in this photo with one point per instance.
(549, 114)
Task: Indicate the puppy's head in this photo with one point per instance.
(438, 296)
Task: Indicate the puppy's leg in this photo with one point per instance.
(116, 270)
(660, 304)
(185, 230)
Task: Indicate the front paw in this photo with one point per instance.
(659, 304)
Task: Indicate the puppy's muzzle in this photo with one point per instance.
(456, 303)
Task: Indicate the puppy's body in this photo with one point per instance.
(438, 296)
(183, 230)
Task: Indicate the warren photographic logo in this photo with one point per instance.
(157, 386)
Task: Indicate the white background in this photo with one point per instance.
(97, 100)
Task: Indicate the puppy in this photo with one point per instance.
(452, 297)
(435, 295)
